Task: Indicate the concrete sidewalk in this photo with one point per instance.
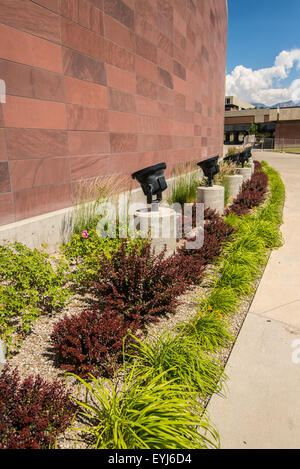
(260, 408)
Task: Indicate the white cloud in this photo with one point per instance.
(263, 85)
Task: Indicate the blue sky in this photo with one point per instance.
(258, 33)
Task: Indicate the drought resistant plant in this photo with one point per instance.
(29, 287)
(33, 412)
(185, 183)
(140, 284)
(92, 341)
(150, 413)
(208, 329)
(251, 195)
(179, 357)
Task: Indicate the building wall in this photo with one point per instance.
(100, 87)
(288, 130)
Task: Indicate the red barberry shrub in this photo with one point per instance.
(251, 195)
(33, 412)
(257, 166)
(216, 231)
(140, 284)
(92, 342)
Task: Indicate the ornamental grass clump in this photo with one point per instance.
(33, 412)
(145, 413)
(140, 284)
(178, 357)
(92, 342)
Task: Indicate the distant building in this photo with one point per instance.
(280, 124)
(232, 103)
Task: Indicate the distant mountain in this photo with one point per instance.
(258, 105)
(287, 104)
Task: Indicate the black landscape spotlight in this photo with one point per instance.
(234, 158)
(244, 156)
(210, 168)
(153, 182)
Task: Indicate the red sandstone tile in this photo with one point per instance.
(3, 155)
(6, 209)
(26, 174)
(179, 70)
(120, 11)
(120, 79)
(33, 202)
(179, 100)
(119, 57)
(146, 87)
(118, 33)
(166, 126)
(85, 93)
(85, 118)
(4, 177)
(180, 85)
(1, 116)
(146, 69)
(166, 111)
(27, 143)
(165, 25)
(147, 106)
(50, 4)
(166, 95)
(121, 101)
(165, 142)
(180, 56)
(164, 61)
(147, 142)
(179, 40)
(31, 18)
(147, 124)
(147, 9)
(90, 17)
(86, 167)
(81, 39)
(165, 78)
(146, 30)
(25, 81)
(97, 3)
(120, 143)
(165, 44)
(145, 49)
(88, 143)
(180, 23)
(166, 9)
(32, 113)
(83, 67)
(121, 122)
(35, 51)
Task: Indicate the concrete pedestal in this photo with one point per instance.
(233, 184)
(245, 172)
(212, 197)
(161, 227)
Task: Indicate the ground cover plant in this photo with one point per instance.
(33, 412)
(29, 287)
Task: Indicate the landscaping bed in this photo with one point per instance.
(177, 317)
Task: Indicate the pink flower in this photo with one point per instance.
(84, 234)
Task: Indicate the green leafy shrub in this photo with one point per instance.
(29, 286)
(150, 413)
